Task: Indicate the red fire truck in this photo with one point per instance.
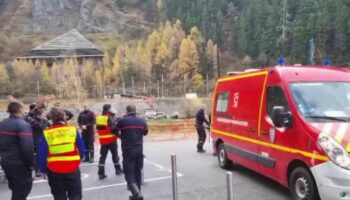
(289, 123)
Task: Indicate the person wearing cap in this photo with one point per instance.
(200, 120)
(16, 152)
(86, 121)
(61, 150)
(107, 140)
(132, 129)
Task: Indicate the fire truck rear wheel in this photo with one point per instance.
(302, 185)
(224, 162)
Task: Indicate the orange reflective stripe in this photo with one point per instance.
(106, 136)
(275, 146)
(63, 158)
(102, 120)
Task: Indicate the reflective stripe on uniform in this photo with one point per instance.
(105, 136)
(63, 158)
(64, 148)
(101, 120)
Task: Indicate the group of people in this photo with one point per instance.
(55, 149)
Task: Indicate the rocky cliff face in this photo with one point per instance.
(57, 16)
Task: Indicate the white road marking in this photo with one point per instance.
(155, 164)
(162, 168)
(83, 176)
(106, 186)
(88, 164)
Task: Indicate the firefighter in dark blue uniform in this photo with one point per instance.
(132, 129)
(200, 120)
(17, 152)
(86, 121)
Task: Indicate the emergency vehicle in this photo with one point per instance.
(289, 123)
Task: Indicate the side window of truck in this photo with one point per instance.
(276, 97)
(222, 102)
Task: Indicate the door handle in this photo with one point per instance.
(264, 132)
(251, 130)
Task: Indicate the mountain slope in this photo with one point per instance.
(27, 23)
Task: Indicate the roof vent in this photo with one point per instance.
(233, 73)
(251, 70)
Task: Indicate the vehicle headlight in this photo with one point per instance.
(334, 151)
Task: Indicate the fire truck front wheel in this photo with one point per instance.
(224, 162)
(302, 185)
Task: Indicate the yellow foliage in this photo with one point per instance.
(188, 58)
(106, 60)
(117, 67)
(162, 53)
(45, 75)
(197, 80)
(210, 50)
(167, 32)
(3, 74)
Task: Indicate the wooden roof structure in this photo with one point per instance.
(69, 45)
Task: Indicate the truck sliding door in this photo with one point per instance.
(242, 119)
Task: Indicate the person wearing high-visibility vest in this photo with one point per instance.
(61, 150)
(107, 140)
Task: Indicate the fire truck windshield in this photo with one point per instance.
(319, 101)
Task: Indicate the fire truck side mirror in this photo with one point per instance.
(281, 118)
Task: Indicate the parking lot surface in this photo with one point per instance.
(199, 178)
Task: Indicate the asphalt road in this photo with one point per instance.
(199, 178)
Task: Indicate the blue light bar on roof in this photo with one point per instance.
(327, 62)
(281, 61)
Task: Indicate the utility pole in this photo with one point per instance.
(218, 44)
(123, 85)
(132, 85)
(218, 58)
(38, 88)
(284, 25)
(207, 84)
(162, 85)
(184, 85)
(158, 88)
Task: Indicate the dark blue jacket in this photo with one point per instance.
(200, 118)
(38, 126)
(16, 142)
(43, 149)
(132, 129)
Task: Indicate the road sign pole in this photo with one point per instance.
(229, 182)
(174, 176)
